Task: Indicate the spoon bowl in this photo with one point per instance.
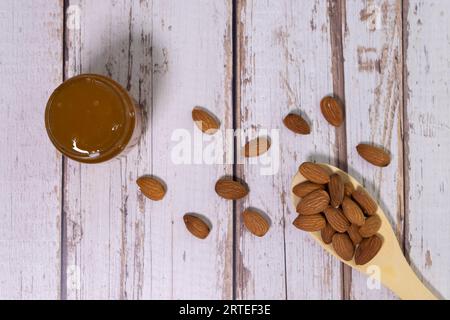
(394, 270)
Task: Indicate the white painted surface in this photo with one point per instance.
(285, 65)
(428, 141)
(173, 55)
(373, 94)
(30, 168)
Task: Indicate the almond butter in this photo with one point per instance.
(327, 234)
(365, 201)
(336, 219)
(256, 147)
(255, 222)
(368, 249)
(348, 189)
(332, 111)
(353, 233)
(230, 189)
(353, 212)
(336, 189)
(311, 223)
(205, 120)
(370, 227)
(151, 187)
(196, 226)
(306, 187)
(313, 203)
(343, 246)
(375, 155)
(314, 173)
(297, 124)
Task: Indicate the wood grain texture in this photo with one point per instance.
(30, 168)
(171, 56)
(284, 65)
(427, 127)
(373, 93)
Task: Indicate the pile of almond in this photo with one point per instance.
(346, 218)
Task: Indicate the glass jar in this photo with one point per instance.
(91, 119)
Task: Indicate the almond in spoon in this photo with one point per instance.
(336, 189)
(336, 219)
(365, 201)
(313, 203)
(311, 223)
(353, 212)
(305, 188)
(314, 173)
(368, 249)
(343, 246)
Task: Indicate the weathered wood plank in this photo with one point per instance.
(373, 94)
(172, 56)
(30, 168)
(284, 65)
(427, 126)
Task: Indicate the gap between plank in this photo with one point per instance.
(63, 223)
(337, 13)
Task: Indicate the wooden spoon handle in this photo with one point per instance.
(401, 279)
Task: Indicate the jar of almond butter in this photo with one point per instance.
(91, 119)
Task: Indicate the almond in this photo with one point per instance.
(332, 111)
(313, 203)
(336, 219)
(375, 155)
(370, 227)
(312, 223)
(255, 222)
(230, 189)
(366, 202)
(297, 124)
(306, 187)
(348, 189)
(256, 147)
(196, 226)
(327, 234)
(353, 212)
(314, 173)
(151, 187)
(205, 120)
(336, 189)
(353, 232)
(343, 246)
(368, 249)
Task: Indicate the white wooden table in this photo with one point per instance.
(76, 231)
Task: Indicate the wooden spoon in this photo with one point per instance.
(395, 272)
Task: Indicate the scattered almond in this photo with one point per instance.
(205, 121)
(366, 202)
(368, 249)
(306, 187)
(343, 246)
(353, 212)
(336, 189)
(151, 187)
(314, 173)
(297, 124)
(311, 223)
(353, 232)
(327, 234)
(370, 227)
(255, 222)
(375, 155)
(332, 111)
(336, 219)
(256, 147)
(196, 226)
(230, 189)
(313, 203)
